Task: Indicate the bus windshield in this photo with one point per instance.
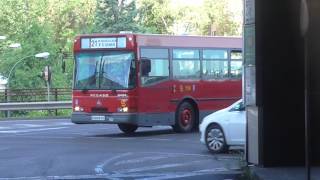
(104, 70)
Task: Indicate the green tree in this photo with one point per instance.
(218, 20)
(20, 20)
(113, 16)
(157, 16)
(188, 19)
(42, 25)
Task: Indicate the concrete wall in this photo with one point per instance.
(313, 55)
(279, 67)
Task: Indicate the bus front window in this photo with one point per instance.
(108, 70)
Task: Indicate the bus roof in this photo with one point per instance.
(188, 41)
(157, 40)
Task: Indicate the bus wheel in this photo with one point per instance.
(128, 128)
(185, 118)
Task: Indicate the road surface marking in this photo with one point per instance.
(123, 138)
(99, 168)
(158, 139)
(179, 154)
(157, 167)
(30, 125)
(29, 130)
(64, 123)
(140, 160)
(138, 176)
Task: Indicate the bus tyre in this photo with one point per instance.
(128, 128)
(185, 118)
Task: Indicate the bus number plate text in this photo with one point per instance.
(98, 118)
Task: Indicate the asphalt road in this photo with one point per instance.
(58, 149)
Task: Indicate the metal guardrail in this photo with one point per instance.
(35, 105)
(34, 95)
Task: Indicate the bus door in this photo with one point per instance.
(155, 89)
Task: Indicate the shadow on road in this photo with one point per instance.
(138, 134)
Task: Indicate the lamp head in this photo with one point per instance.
(43, 55)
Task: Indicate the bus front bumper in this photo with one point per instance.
(105, 118)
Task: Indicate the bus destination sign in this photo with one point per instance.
(98, 43)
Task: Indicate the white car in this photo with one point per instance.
(224, 128)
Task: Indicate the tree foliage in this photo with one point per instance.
(41, 25)
(51, 25)
(113, 16)
(157, 16)
(218, 19)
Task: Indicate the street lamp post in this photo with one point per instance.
(43, 55)
(12, 46)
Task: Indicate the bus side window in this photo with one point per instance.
(236, 64)
(215, 64)
(154, 66)
(186, 63)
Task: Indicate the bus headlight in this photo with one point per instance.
(78, 108)
(123, 109)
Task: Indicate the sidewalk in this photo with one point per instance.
(285, 173)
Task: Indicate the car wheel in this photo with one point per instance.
(128, 128)
(185, 118)
(215, 139)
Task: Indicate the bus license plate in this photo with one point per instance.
(98, 118)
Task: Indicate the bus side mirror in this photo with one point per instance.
(145, 66)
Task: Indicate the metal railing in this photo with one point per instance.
(34, 95)
(35, 105)
(22, 101)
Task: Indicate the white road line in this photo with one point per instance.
(140, 160)
(142, 176)
(28, 136)
(134, 170)
(57, 177)
(5, 127)
(168, 175)
(3, 149)
(180, 154)
(32, 120)
(99, 168)
(29, 130)
(62, 124)
(30, 125)
(163, 166)
(158, 139)
(175, 176)
(123, 138)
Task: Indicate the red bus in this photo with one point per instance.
(137, 80)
